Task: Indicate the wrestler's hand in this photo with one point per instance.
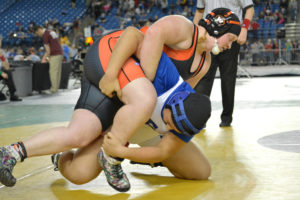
(112, 145)
(109, 86)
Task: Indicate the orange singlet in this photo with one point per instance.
(183, 59)
(130, 71)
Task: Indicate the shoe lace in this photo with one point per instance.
(117, 169)
(8, 161)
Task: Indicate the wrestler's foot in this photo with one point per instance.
(114, 173)
(54, 160)
(7, 163)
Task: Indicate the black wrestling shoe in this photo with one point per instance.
(2, 97)
(7, 163)
(15, 98)
(225, 124)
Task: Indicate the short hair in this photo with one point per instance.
(36, 28)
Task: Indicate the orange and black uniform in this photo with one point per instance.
(183, 59)
(95, 64)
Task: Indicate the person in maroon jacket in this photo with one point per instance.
(54, 54)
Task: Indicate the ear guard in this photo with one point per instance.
(221, 21)
(180, 119)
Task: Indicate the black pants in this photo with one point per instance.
(9, 82)
(227, 63)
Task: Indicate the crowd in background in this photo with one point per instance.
(257, 51)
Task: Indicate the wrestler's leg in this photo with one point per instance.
(81, 166)
(189, 163)
(139, 97)
(83, 128)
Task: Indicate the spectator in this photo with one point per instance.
(76, 24)
(267, 9)
(64, 39)
(293, 10)
(284, 4)
(298, 52)
(103, 17)
(294, 52)
(54, 53)
(66, 50)
(255, 53)
(64, 12)
(73, 52)
(98, 31)
(164, 6)
(32, 55)
(261, 50)
(281, 19)
(11, 53)
(19, 56)
(41, 52)
(275, 50)
(5, 74)
(254, 29)
(73, 3)
(56, 23)
(288, 51)
(269, 52)
(96, 7)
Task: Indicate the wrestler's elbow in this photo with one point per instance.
(134, 31)
(155, 33)
(164, 155)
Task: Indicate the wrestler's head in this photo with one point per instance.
(224, 26)
(189, 112)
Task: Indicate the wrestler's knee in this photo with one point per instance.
(202, 174)
(81, 179)
(193, 174)
(147, 103)
(76, 172)
(146, 98)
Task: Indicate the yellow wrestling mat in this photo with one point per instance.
(258, 158)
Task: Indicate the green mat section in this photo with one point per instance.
(20, 115)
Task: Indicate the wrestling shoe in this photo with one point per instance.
(6, 167)
(54, 160)
(225, 124)
(115, 176)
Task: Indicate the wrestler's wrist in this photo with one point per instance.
(111, 74)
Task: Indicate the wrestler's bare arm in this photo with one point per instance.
(174, 31)
(127, 45)
(167, 147)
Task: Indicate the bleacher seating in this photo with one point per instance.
(38, 11)
(5, 4)
(12, 11)
(267, 29)
(113, 22)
